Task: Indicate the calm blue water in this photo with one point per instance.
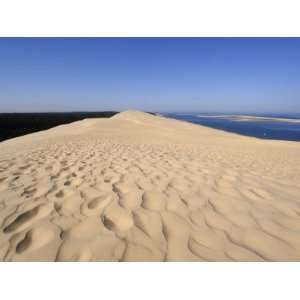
(274, 130)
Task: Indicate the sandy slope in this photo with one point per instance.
(140, 187)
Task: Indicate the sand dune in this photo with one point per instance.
(138, 187)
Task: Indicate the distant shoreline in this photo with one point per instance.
(242, 118)
(262, 127)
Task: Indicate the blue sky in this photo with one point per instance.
(156, 74)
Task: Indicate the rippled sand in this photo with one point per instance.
(138, 187)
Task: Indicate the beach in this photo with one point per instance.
(139, 187)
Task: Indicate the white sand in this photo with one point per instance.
(140, 187)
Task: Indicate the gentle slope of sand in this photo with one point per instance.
(141, 187)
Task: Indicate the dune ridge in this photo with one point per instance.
(138, 187)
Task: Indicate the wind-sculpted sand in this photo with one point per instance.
(138, 187)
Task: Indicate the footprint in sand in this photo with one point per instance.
(34, 239)
(96, 205)
(27, 218)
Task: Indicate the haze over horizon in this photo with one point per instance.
(221, 75)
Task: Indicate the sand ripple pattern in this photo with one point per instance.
(149, 195)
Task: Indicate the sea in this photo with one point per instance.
(263, 129)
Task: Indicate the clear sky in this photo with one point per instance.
(156, 74)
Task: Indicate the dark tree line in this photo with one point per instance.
(17, 124)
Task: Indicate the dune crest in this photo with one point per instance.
(139, 187)
(132, 115)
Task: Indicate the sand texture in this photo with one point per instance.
(138, 187)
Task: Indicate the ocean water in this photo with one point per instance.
(271, 129)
